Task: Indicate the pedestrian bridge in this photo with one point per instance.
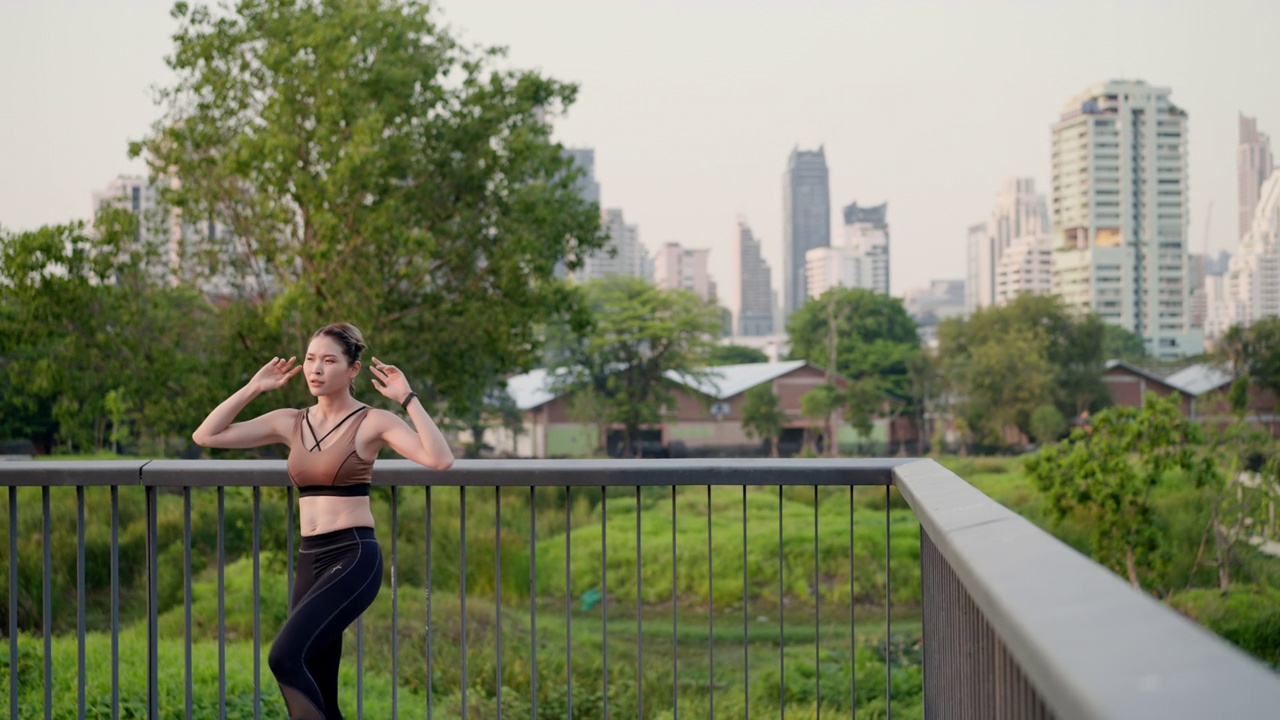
(1014, 623)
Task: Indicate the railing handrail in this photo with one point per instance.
(472, 473)
(1092, 646)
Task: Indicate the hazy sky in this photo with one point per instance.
(693, 106)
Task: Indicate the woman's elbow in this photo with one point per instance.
(200, 438)
(442, 463)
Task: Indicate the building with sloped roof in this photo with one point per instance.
(704, 417)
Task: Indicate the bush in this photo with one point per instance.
(1246, 615)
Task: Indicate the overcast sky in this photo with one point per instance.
(692, 106)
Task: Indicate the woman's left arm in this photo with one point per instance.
(427, 446)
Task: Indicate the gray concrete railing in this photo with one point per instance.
(1015, 623)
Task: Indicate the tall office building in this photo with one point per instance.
(806, 221)
(1020, 215)
(621, 255)
(1120, 200)
(859, 259)
(1254, 163)
(585, 158)
(1025, 268)
(680, 268)
(755, 294)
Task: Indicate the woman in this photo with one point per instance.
(332, 446)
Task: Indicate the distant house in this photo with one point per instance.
(704, 417)
(1202, 391)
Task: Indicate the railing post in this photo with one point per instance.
(153, 608)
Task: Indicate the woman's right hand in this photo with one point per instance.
(275, 374)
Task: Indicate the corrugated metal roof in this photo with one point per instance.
(1199, 379)
(725, 381)
(533, 389)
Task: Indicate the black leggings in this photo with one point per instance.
(339, 574)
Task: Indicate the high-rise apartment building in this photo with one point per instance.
(680, 268)
(1020, 214)
(755, 292)
(1120, 200)
(860, 259)
(621, 255)
(1254, 164)
(1025, 268)
(1253, 274)
(806, 221)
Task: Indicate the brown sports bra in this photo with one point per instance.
(334, 470)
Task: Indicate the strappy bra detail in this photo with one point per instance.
(334, 470)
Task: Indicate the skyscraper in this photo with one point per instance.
(806, 221)
(1019, 212)
(1254, 164)
(1120, 199)
(755, 294)
(621, 255)
(585, 158)
(860, 259)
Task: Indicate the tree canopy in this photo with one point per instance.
(357, 162)
(637, 334)
(874, 336)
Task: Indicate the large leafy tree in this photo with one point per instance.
(94, 342)
(638, 333)
(873, 336)
(761, 416)
(361, 164)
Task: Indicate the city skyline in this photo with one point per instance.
(733, 86)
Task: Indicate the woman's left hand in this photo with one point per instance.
(389, 381)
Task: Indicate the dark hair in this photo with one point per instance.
(348, 338)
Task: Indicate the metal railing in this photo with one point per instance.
(1014, 623)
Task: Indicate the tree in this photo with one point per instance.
(735, 355)
(1254, 352)
(761, 417)
(366, 166)
(819, 405)
(1108, 472)
(1122, 344)
(1047, 424)
(638, 334)
(874, 336)
(997, 380)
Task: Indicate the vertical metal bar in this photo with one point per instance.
(639, 616)
(711, 621)
(430, 590)
(782, 620)
(80, 604)
(533, 601)
(257, 605)
(46, 601)
(288, 545)
(395, 610)
(853, 631)
(153, 606)
(888, 620)
(675, 619)
(568, 596)
(462, 492)
(817, 613)
(604, 591)
(13, 598)
(497, 584)
(746, 650)
(115, 602)
(222, 606)
(360, 667)
(186, 600)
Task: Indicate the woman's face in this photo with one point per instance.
(326, 368)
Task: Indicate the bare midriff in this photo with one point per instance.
(321, 514)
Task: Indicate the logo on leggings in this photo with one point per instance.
(336, 568)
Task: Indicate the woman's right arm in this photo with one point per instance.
(219, 431)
